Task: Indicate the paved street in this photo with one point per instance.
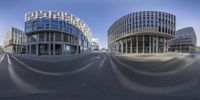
(100, 76)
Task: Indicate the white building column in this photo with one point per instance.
(77, 49)
(27, 49)
(136, 44)
(71, 39)
(118, 44)
(49, 43)
(149, 43)
(153, 43)
(156, 43)
(54, 44)
(30, 49)
(143, 44)
(131, 45)
(37, 49)
(116, 47)
(122, 47)
(62, 47)
(45, 35)
(126, 45)
(167, 45)
(164, 48)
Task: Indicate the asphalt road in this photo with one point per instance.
(99, 76)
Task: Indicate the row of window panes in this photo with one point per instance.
(50, 37)
(148, 23)
(68, 27)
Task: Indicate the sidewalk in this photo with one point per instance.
(153, 57)
(48, 58)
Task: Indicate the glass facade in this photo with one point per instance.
(142, 32)
(14, 41)
(56, 34)
(185, 40)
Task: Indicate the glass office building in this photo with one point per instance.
(95, 44)
(185, 40)
(14, 41)
(56, 33)
(143, 32)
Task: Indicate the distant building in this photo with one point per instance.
(14, 41)
(185, 40)
(104, 50)
(95, 44)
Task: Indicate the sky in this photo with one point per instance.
(99, 15)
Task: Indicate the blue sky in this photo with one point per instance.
(99, 14)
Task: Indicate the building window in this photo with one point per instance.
(65, 37)
(33, 49)
(58, 49)
(43, 49)
(54, 24)
(29, 38)
(66, 49)
(33, 38)
(58, 37)
(47, 36)
(41, 37)
(52, 36)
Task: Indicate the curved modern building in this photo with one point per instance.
(185, 40)
(142, 32)
(56, 33)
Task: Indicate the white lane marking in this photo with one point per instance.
(93, 58)
(2, 57)
(188, 63)
(24, 86)
(53, 73)
(102, 62)
(134, 86)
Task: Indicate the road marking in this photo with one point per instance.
(93, 58)
(24, 86)
(53, 73)
(102, 62)
(2, 57)
(134, 86)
